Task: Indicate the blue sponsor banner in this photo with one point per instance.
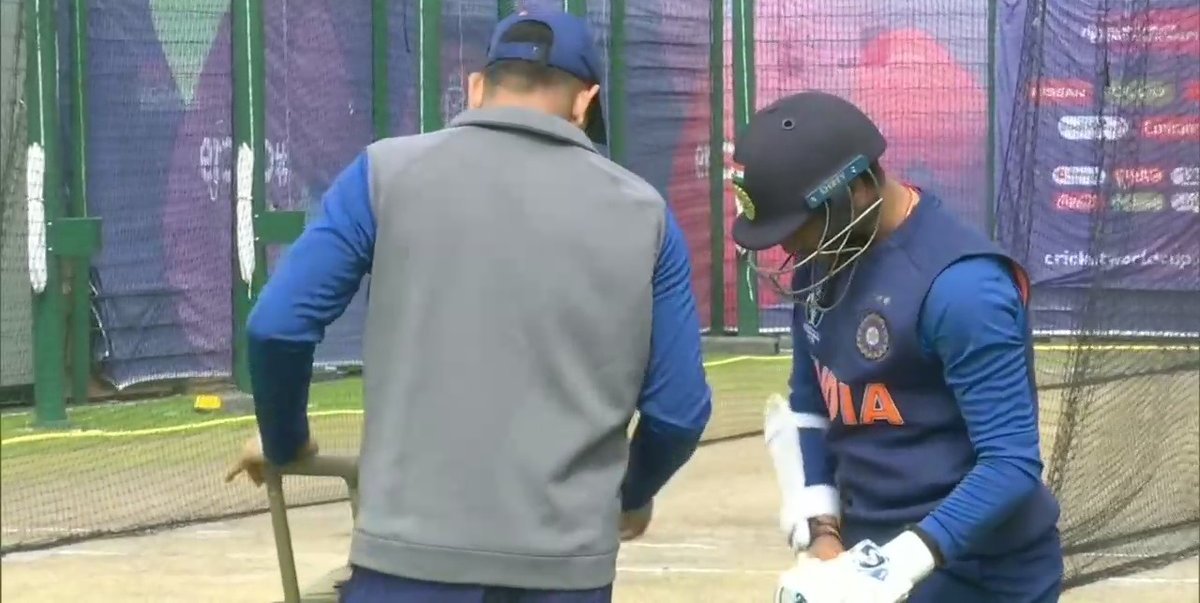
(1100, 180)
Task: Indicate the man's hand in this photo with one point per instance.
(867, 573)
(826, 547)
(635, 522)
(252, 462)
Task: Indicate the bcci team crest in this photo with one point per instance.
(872, 337)
(744, 205)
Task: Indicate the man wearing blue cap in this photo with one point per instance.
(527, 295)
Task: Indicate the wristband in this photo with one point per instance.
(824, 527)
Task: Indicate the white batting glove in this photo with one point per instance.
(867, 573)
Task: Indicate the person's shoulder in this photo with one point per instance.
(974, 283)
(405, 148)
(629, 186)
(975, 269)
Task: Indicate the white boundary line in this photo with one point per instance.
(651, 569)
(670, 545)
(1134, 580)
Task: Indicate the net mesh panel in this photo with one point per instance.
(466, 26)
(319, 110)
(159, 113)
(729, 205)
(403, 62)
(1120, 426)
(16, 315)
(598, 18)
(918, 67)
(160, 154)
(319, 118)
(670, 119)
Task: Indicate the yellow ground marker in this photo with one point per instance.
(207, 403)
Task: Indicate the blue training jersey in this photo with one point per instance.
(924, 369)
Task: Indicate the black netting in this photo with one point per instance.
(16, 312)
(1100, 112)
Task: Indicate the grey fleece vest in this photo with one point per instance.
(507, 335)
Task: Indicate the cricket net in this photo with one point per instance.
(1100, 169)
(16, 312)
(1119, 384)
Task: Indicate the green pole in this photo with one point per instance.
(617, 96)
(716, 167)
(505, 8)
(429, 68)
(249, 153)
(380, 89)
(576, 7)
(990, 209)
(743, 106)
(41, 96)
(81, 317)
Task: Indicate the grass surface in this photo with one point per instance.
(755, 377)
(341, 394)
(731, 377)
(156, 462)
(131, 466)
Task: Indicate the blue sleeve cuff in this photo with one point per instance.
(280, 404)
(656, 451)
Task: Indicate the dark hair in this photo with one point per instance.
(528, 76)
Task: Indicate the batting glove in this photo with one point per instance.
(867, 573)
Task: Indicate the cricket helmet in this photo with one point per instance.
(796, 161)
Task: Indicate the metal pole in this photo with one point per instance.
(616, 93)
(576, 7)
(992, 116)
(716, 167)
(429, 68)
(743, 107)
(249, 110)
(81, 316)
(380, 89)
(44, 196)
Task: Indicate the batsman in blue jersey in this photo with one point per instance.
(911, 433)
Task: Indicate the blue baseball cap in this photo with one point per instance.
(570, 50)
